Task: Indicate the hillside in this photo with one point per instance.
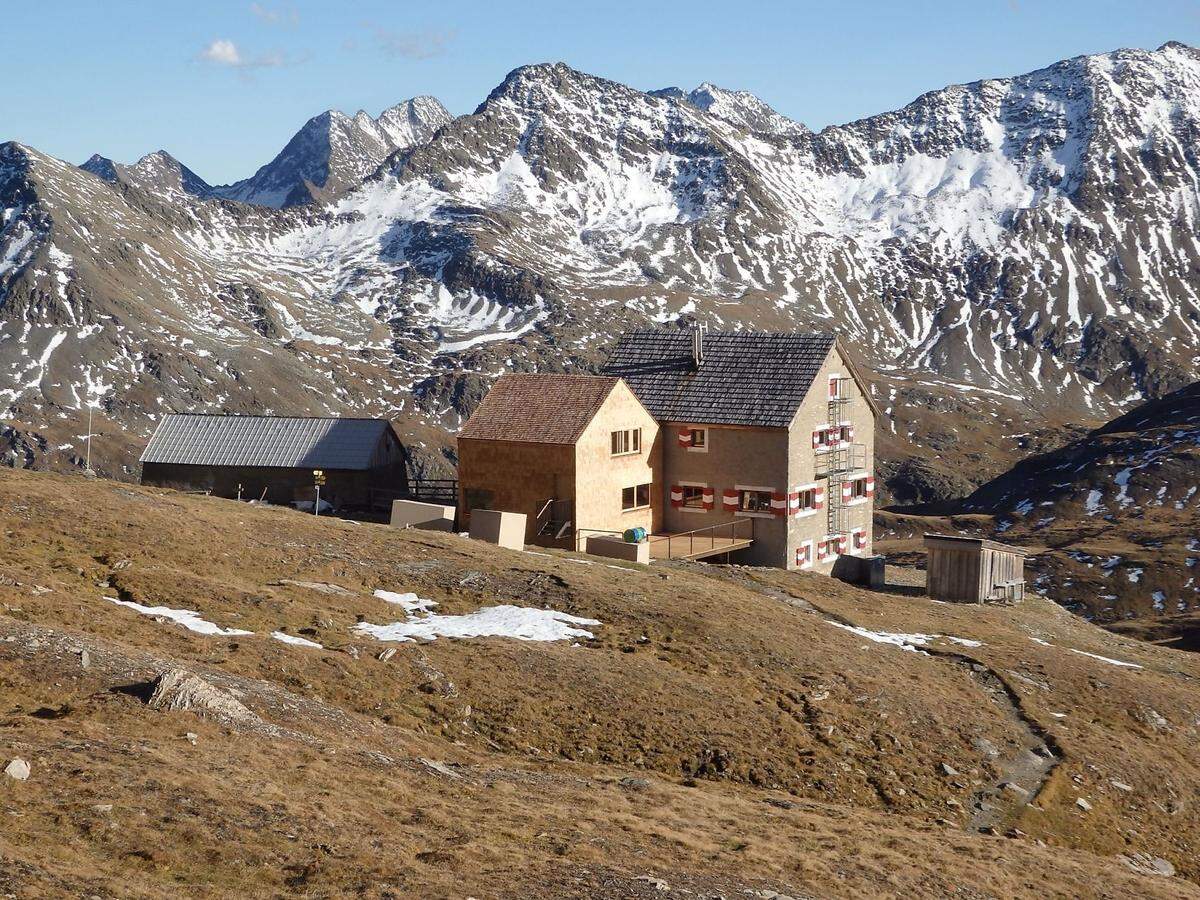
(1009, 256)
(1115, 513)
(724, 730)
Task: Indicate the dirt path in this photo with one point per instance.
(1021, 774)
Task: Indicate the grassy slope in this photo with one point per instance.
(778, 750)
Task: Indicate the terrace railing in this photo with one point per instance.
(701, 540)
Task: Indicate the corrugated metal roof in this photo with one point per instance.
(546, 408)
(747, 378)
(270, 441)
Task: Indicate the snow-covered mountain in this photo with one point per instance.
(1008, 255)
(157, 172)
(333, 152)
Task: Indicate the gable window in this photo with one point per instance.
(636, 497)
(627, 441)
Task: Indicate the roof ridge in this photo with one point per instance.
(204, 415)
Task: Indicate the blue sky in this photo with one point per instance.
(223, 84)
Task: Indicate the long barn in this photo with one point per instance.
(274, 458)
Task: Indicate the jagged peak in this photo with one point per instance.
(533, 85)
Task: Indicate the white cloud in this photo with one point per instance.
(222, 52)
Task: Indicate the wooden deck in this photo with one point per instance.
(703, 542)
(679, 548)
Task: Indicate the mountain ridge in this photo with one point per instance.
(992, 252)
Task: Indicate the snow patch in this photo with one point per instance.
(519, 622)
(188, 618)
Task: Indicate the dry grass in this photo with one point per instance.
(767, 748)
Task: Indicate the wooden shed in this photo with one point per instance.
(274, 457)
(973, 570)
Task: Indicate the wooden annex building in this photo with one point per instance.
(273, 458)
(973, 570)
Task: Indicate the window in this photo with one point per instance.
(808, 499)
(694, 438)
(804, 555)
(635, 497)
(626, 441)
(858, 489)
(755, 501)
(693, 496)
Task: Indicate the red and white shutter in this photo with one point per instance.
(822, 550)
(817, 438)
(870, 485)
(833, 386)
(794, 503)
(819, 498)
(860, 539)
(802, 555)
(778, 503)
(708, 498)
(685, 437)
(847, 491)
(850, 432)
(840, 544)
(729, 500)
(676, 496)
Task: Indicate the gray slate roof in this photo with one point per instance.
(748, 378)
(271, 441)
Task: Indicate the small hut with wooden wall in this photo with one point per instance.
(274, 458)
(973, 570)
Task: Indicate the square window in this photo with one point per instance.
(693, 496)
(755, 501)
(635, 497)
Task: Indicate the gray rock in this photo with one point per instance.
(179, 689)
(17, 769)
(385, 655)
(986, 747)
(949, 770)
(1083, 804)
(1149, 865)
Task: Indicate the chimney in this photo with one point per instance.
(698, 330)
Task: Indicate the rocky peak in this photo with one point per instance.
(158, 173)
(101, 166)
(333, 152)
(743, 109)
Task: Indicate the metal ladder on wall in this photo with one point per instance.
(839, 461)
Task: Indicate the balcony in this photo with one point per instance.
(840, 458)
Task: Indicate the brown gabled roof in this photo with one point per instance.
(540, 409)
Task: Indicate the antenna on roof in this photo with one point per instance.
(698, 331)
